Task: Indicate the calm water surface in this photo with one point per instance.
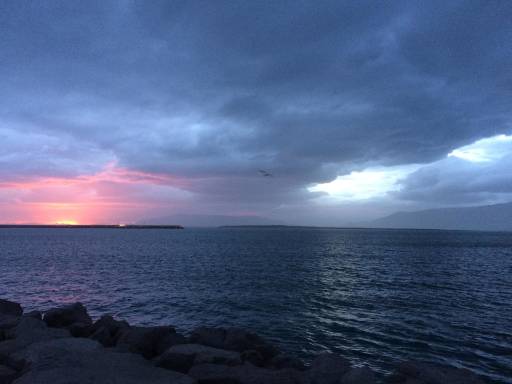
(374, 296)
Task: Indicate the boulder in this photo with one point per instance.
(103, 336)
(79, 329)
(328, 368)
(10, 308)
(27, 332)
(7, 323)
(112, 325)
(14, 363)
(106, 330)
(172, 339)
(233, 339)
(30, 330)
(35, 314)
(84, 361)
(243, 374)
(240, 340)
(7, 375)
(182, 357)
(62, 352)
(147, 341)
(359, 375)
(212, 337)
(204, 355)
(282, 361)
(253, 357)
(67, 315)
(412, 372)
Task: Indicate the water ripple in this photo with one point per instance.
(372, 296)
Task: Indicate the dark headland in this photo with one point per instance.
(64, 345)
(102, 226)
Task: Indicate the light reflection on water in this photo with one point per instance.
(374, 296)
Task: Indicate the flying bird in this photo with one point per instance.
(264, 173)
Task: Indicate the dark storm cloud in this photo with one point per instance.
(214, 91)
(454, 181)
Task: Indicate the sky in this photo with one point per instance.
(119, 111)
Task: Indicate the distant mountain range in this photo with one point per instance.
(209, 220)
(496, 217)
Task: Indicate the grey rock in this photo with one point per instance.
(359, 375)
(243, 374)
(175, 362)
(10, 308)
(182, 357)
(147, 341)
(30, 330)
(204, 354)
(27, 332)
(7, 375)
(84, 361)
(103, 336)
(112, 325)
(412, 372)
(172, 339)
(7, 323)
(107, 329)
(234, 339)
(56, 352)
(212, 337)
(35, 314)
(79, 329)
(328, 368)
(282, 361)
(67, 315)
(241, 340)
(253, 357)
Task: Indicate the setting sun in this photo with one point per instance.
(66, 222)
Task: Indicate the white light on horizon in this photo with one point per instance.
(484, 150)
(366, 184)
(378, 181)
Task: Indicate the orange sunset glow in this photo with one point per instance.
(67, 222)
(112, 195)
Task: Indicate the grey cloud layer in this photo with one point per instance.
(216, 90)
(457, 182)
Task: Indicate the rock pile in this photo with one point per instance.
(65, 346)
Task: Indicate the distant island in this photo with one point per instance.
(281, 226)
(264, 226)
(195, 220)
(102, 226)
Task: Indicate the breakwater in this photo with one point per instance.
(64, 345)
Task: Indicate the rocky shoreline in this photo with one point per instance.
(65, 346)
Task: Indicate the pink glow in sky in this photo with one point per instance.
(114, 195)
